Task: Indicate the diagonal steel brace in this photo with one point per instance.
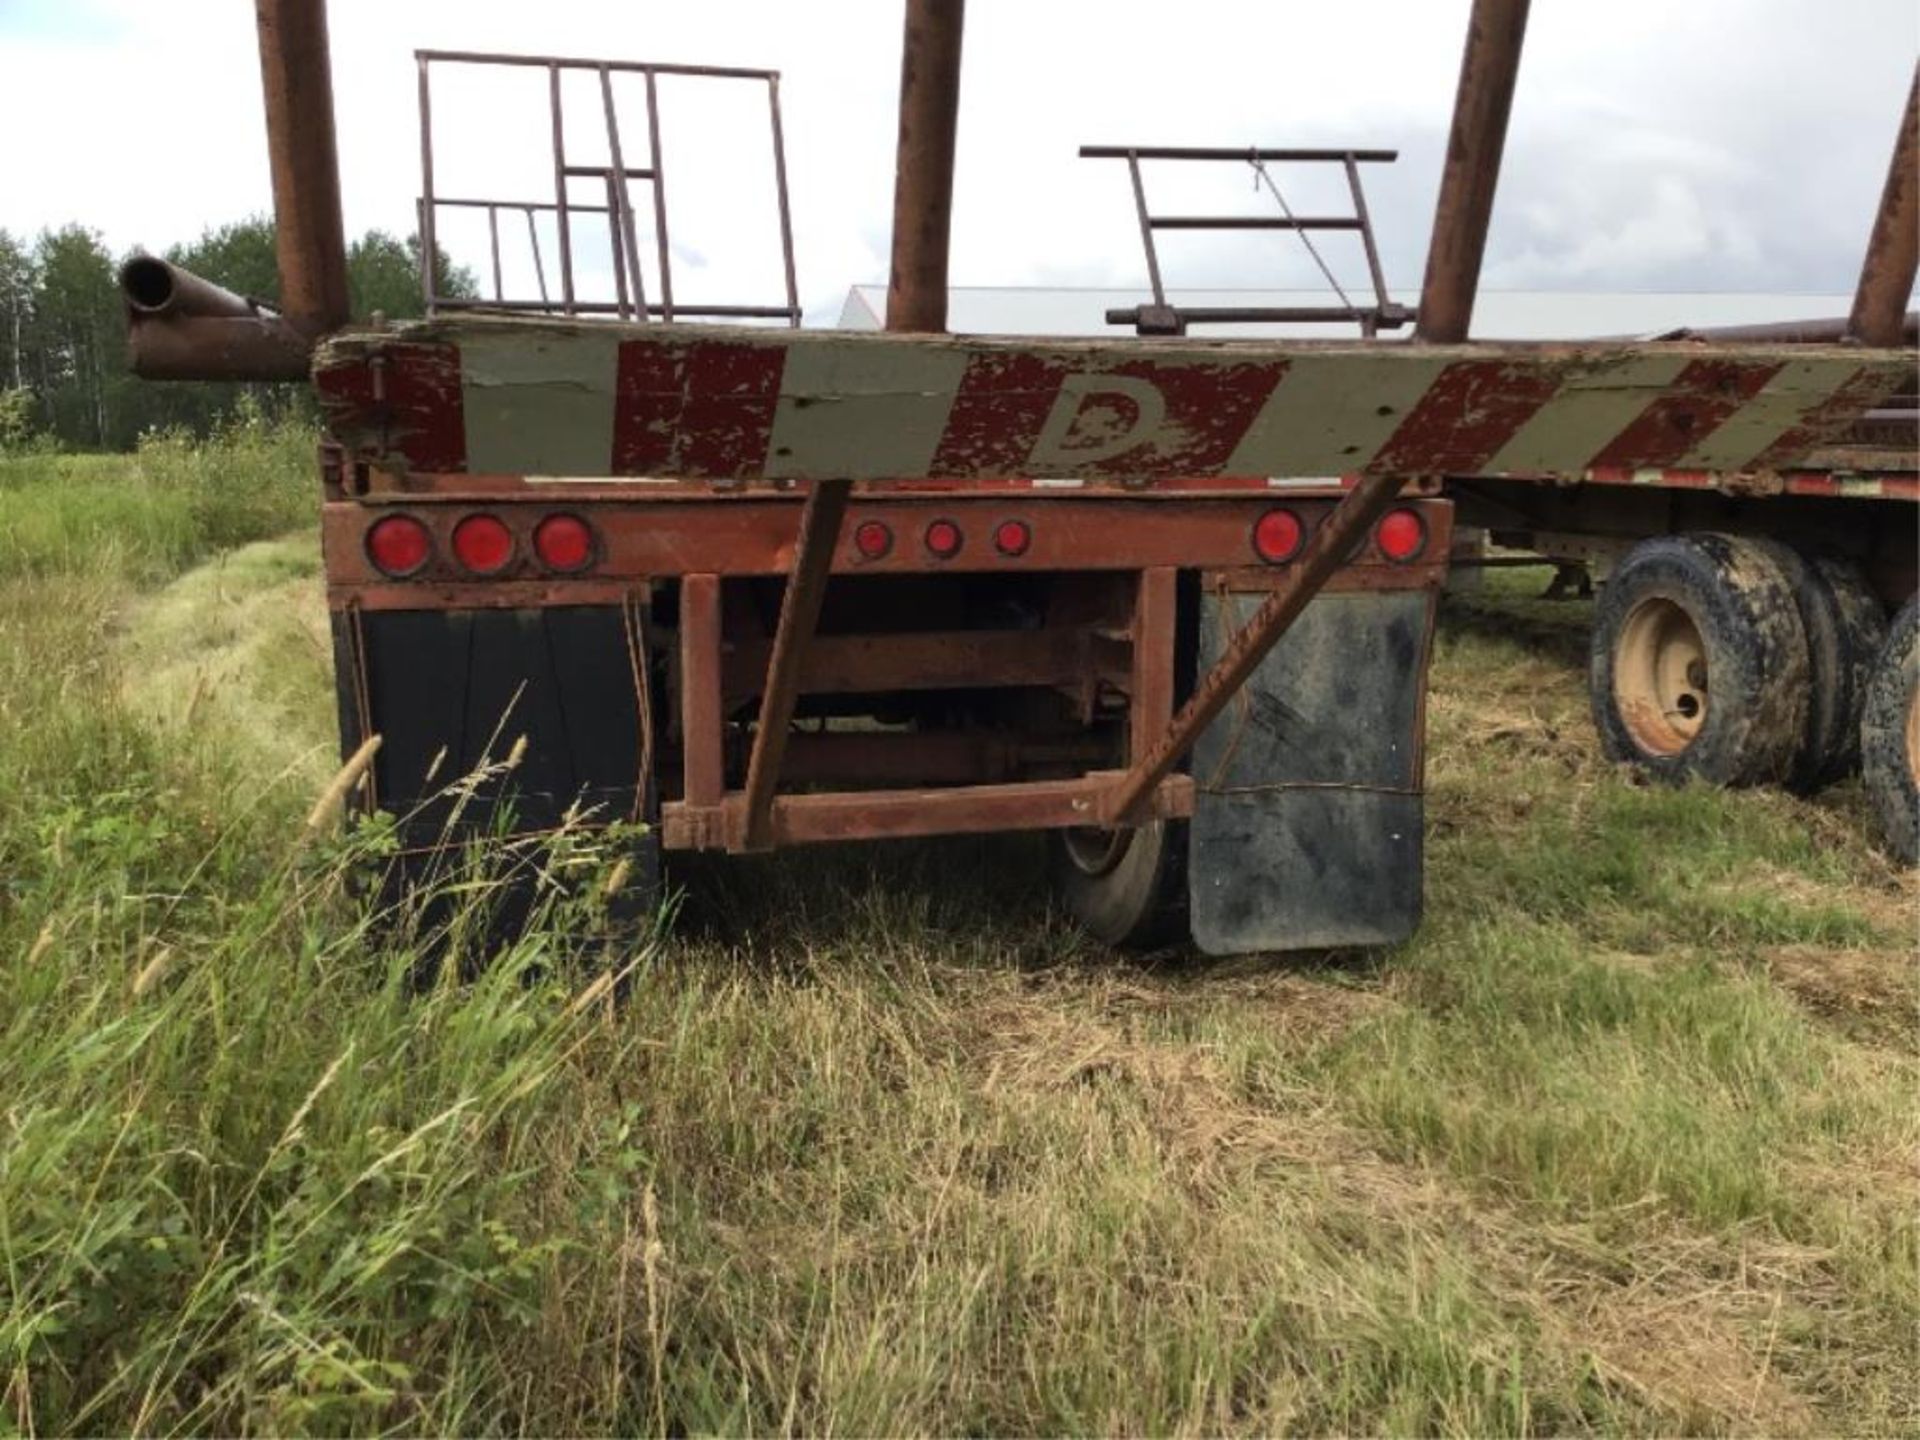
(820, 517)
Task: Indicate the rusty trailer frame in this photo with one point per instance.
(403, 417)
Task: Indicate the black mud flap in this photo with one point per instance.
(451, 691)
(1307, 819)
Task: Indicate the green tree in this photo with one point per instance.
(239, 256)
(77, 342)
(16, 310)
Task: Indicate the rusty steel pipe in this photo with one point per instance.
(1828, 330)
(923, 165)
(155, 287)
(310, 238)
(217, 347)
(1489, 65)
(1893, 249)
(183, 327)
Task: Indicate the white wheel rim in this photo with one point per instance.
(1660, 676)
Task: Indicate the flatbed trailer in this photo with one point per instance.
(1168, 601)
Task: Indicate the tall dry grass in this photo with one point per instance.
(1624, 1142)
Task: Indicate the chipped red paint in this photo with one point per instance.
(999, 424)
(1696, 403)
(420, 413)
(1002, 402)
(702, 409)
(1860, 392)
(1208, 413)
(1469, 412)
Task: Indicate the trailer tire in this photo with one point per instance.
(1126, 889)
(1890, 736)
(1698, 665)
(1846, 626)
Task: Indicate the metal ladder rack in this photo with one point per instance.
(630, 295)
(1161, 318)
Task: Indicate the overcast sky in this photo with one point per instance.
(1732, 145)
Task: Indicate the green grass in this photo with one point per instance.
(1624, 1141)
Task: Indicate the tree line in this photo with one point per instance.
(64, 373)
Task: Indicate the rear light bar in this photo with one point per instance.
(401, 546)
(494, 542)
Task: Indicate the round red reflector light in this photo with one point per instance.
(1012, 537)
(943, 539)
(483, 544)
(872, 539)
(1401, 535)
(563, 542)
(1278, 536)
(398, 544)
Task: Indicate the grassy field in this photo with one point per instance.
(1625, 1141)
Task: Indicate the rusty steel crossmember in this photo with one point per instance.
(1489, 65)
(916, 302)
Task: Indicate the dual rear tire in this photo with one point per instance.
(1740, 661)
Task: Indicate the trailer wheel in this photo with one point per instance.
(1698, 665)
(1128, 888)
(1846, 627)
(1890, 736)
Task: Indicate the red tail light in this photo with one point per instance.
(1278, 536)
(1401, 535)
(944, 539)
(1012, 537)
(872, 539)
(482, 544)
(563, 542)
(398, 545)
